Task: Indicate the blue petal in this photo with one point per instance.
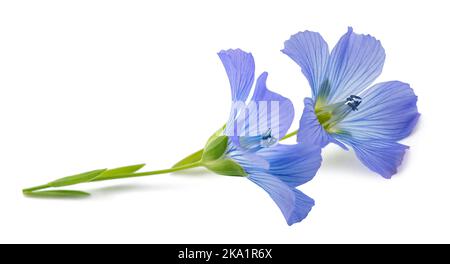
(310, 51)
(294, 205)
(388, 112)
(266, 111)
(311, 131)
(255, 143)
(250, 162)
(240, 68)
(382, 157)
(279, 113)
(355, 62)
(293, 164)
(250, 143)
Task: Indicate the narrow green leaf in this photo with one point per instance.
(215, 148)
(57, 194)
(75, 179)
(225, 167)
(119, 171)
(194, 157)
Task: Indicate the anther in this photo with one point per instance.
(353, 101)
(267, 139)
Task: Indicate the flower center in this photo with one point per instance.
(255, 143)
(267, 139)
(330, 115)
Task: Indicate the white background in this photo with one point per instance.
(93, 84)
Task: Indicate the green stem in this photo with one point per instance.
(122, 176)
(289, 135)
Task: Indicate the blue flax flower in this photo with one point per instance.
(276, 168)
(342, 110)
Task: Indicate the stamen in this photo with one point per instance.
(267, 139)
(353, 101)
(255, 143)
(330, 115)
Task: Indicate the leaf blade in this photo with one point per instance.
(77, 178)
(194, 157)
(119, 171)
(58, 194)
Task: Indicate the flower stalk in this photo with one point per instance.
(99, 175)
